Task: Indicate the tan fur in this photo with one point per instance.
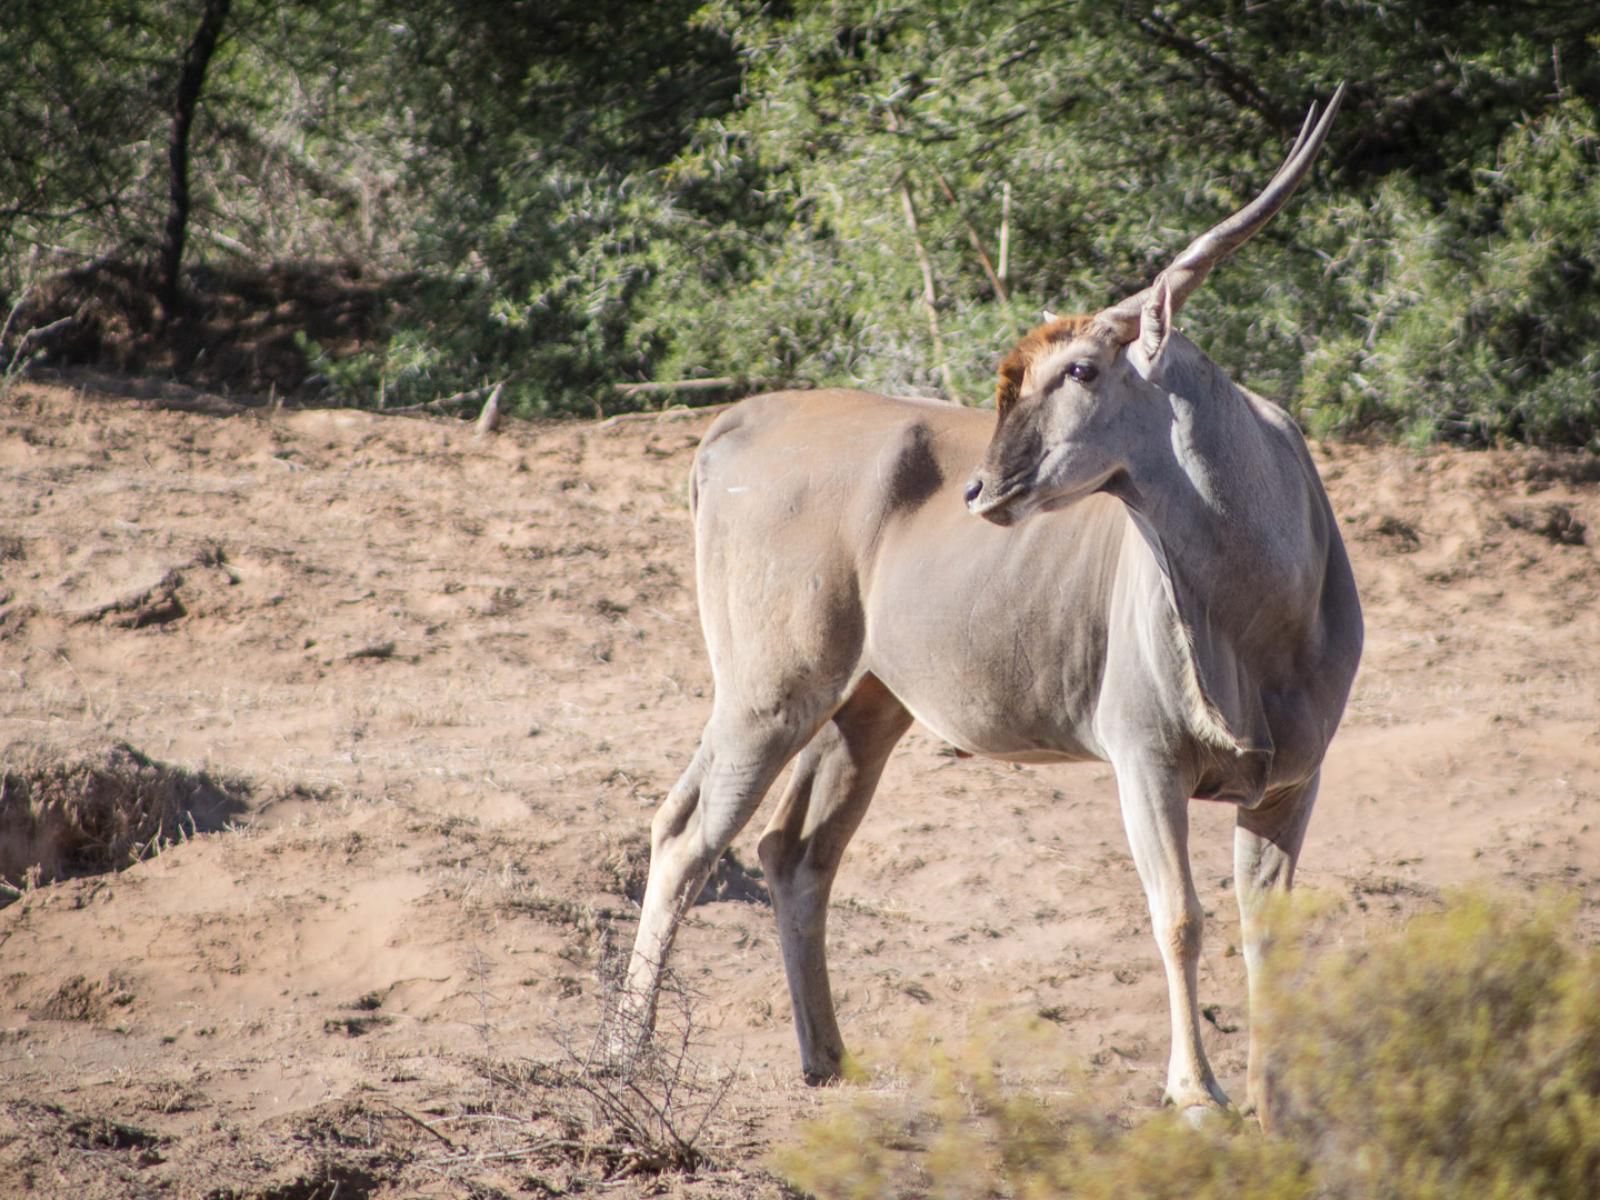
(1158, 583)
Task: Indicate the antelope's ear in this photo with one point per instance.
(1009, 386)
(1155, 320)
(1050, 318)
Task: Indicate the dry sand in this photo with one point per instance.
(435, 686)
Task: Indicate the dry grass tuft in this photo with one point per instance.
(103, 808)
(595, 1117)
(83, 999)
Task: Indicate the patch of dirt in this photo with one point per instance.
(80, 999)
(1553, 521)
(81, 809)
(437, 685)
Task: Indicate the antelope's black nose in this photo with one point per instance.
(974, 490)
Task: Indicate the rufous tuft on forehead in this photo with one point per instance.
(1014, 367)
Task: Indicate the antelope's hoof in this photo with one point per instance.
(1258, 1112)
(621, 1047)
(1207, 1117)
(1206, 1107)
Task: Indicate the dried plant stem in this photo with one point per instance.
(930, 293)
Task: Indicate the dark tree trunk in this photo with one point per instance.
(191, 82)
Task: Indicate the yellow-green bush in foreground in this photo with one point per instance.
(1455, 1059)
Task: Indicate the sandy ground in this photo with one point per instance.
(443, 682)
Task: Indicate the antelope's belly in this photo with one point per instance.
(967, 713)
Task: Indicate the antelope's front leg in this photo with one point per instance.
(1156, 813)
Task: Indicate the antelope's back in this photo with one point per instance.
(813, 465)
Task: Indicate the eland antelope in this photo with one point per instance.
(1156, 581)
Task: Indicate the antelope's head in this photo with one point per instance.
(1078, 396)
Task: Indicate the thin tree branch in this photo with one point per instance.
(1239, 87)
(1005, 228)
(930, 293)
(691, 385)
(972, 237)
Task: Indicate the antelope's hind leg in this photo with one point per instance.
(1266, 848)
(739, 756)
(833, 783)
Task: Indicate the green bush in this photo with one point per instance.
(961, 1130)
(1457, 1058)
(1479, 322)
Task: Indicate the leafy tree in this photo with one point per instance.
(81, 101)
(125, 123)
(588, 194)
(549, 130)
(1119, 131)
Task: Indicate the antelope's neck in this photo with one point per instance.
(1236, 522)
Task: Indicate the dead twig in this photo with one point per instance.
(530, 1151)
(17, 362)
(676, 413)
(995, 280)
(418, 1121)
(489, 418)
(444, 403)
(689, 385)
(1005, 228)
(930, 293)
(43, 331)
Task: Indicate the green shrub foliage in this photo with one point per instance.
(1479, 321)
(1457, 1058)
(605, 192)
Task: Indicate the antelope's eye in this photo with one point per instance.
(1083, 372)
